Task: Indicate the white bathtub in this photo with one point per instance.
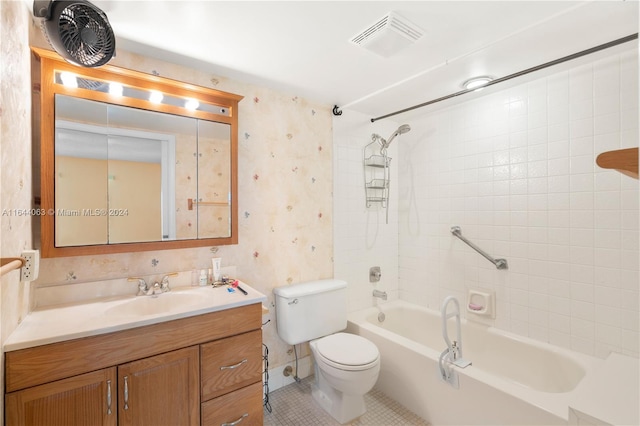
(513, 380)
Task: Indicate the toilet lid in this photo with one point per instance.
(347, 349)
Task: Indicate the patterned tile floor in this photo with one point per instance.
(293, 405)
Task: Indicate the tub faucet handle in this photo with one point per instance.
(374, 274)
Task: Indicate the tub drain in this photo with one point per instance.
(381, 317)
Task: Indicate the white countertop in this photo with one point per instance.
(57, 324)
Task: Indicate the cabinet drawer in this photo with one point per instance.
(243, 406)
(230, 363)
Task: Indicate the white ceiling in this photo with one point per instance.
(303, 47)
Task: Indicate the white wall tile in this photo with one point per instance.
(528, 187)
(522, 182)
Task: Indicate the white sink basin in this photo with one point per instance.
(149, 305)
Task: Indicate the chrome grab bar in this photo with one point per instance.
(500, 263)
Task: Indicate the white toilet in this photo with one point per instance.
(346, 365)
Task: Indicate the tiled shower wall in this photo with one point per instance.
(516, 170)
(361, 236)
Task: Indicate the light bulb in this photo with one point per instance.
(191, 104)
(155, 96)
(69, 79)
(116, 89)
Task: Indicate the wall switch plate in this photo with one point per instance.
(29, 271)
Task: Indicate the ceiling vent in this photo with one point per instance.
(389, 35)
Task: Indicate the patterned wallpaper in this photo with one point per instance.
(285, 198)
(15, 155)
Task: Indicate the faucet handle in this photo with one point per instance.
(142, 285)
(165, 281)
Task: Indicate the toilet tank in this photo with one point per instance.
(310, 310)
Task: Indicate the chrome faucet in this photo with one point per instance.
(155, 290)
(381, 294)
(158, 288)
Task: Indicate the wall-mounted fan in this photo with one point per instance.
(77, 30)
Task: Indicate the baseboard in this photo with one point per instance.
(277, 379)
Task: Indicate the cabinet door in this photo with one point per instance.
(87, 399)
(160, 390)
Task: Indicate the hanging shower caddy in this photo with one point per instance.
(376, 175)
(375, 163)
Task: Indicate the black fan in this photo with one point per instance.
(77, 30)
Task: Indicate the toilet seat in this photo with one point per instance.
(348, 352)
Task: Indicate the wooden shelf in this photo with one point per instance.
(623, 160)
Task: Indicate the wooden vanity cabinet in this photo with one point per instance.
(231, 380)
(182, 372)
(79, 400)
(160, 390)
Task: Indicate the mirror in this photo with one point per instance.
(130, 172)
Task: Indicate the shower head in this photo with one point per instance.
(401, 130)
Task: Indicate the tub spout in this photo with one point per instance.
(381, 294)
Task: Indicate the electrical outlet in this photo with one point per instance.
(29, 271)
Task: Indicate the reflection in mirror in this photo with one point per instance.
(214, 185)
(119, 182)
(80, 173)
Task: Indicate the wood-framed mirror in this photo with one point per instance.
(130, 161)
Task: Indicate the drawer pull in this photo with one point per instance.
(108, 396)
(231, 367)
(126, 393)
(245, 415)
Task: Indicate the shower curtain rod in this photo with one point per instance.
(517, 74)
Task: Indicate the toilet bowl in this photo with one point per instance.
(346, 365)
(346, 368)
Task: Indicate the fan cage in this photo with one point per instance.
(83, 34)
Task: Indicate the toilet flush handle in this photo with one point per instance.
(293, 302)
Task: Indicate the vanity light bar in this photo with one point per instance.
(72, 80)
